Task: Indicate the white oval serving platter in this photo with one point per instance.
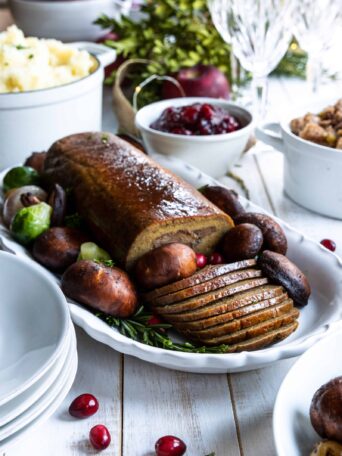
(321, 316)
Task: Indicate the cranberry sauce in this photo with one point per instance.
(196, 119)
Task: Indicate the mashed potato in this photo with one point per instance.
(32, 63)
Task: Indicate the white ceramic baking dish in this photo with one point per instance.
(32, 121)
(63, 19)
(312, 173)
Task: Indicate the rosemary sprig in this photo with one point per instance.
(138, 328)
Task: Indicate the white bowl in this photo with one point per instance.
(213, 154)
(33, 325)
(63, 20)
(312, 173)
(32, 121)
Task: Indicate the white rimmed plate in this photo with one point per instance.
(318, 318)
(34, 322)
(12, 409)
(292, 429)
(47, 399)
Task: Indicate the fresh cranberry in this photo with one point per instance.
(207, 111)
(189, 114)
(154, 320)
(83, 406)
(201, 260)
(329, 244)
(180, 131)
(99, 437)
(216, 258)
(170, 446)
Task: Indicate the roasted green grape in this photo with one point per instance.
(91, 251)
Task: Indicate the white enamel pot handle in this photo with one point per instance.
(105, 54)
(270, 134)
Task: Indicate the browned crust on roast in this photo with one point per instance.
(272, 337)
(121, 192)
(201, 276)
(211, 285)
(255, 330)
(230, 303)
(245, 320)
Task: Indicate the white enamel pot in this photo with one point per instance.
(32, 121)
(312, 173)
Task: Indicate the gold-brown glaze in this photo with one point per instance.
(130, 203)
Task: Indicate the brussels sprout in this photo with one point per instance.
(30, 222)
(20, 176)
(91, 251)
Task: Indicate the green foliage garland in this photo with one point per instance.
(176, 34)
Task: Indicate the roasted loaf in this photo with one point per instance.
(130, 203)
(236, 306)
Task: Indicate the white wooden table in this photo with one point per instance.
(230, 415)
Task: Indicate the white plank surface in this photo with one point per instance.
(195, 407)
(99, 373)
(140, 402)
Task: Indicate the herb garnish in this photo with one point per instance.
(104, 138)
(138, 328)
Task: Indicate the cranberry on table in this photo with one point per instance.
(201, 260)
(170, 445)
(83, 406)
(99, 437)
(329, 244)
(216, 258)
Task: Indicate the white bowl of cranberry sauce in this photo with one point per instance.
(208, 133)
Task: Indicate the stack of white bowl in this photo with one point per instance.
(38, 357)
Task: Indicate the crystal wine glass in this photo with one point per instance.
(315, 24)
(259, 32)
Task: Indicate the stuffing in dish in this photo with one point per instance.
(324, 128)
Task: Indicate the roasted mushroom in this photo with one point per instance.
(326, 410)
(101, 287)
(225, 199)
(57, 200)
(274, 236)
(36, 161)
(242, 242)
(281, 270)
(58, 247)
(164, 265)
